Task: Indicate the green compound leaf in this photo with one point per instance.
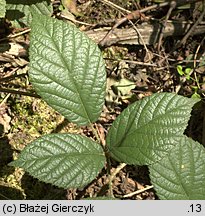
(64, 160)
(2, 8)
(181, 175)
(67, 70)
(19, 11)
(145, 131)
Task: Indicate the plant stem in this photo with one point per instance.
(117, 170)
(103, 144)
(95, 133)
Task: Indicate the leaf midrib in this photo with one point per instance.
(66, 65)
(141, 127)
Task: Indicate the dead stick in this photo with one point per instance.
(191, 30)
(12, 91)
(134, 15)
(172, 7)
(138, 191)
(112, 176)
(14, 76)
(149, 32)
(139, 13)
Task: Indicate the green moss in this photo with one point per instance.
(31, 118)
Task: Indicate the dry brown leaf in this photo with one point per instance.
(71, 6)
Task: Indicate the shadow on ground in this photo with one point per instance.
(33, 189)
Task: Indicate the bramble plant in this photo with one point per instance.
(185, 72)
(19, 11)
(67, 70)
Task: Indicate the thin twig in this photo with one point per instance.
(143, 42)
(197, 51)
(138, 191)
(129, 17)
(155, 6)
(5, 99)
(164, 4)
(195, 61)
(133, 15)
(76, 21)
(8, 78)
(112, 176)
(5, 197)
(16, 35)
(115, 6)
(17, 92)
(139, 14)
(191, 30)
(172, 6)
(95, 133)
(195, 56)
(139, 63)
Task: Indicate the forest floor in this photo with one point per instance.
(173, 61)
